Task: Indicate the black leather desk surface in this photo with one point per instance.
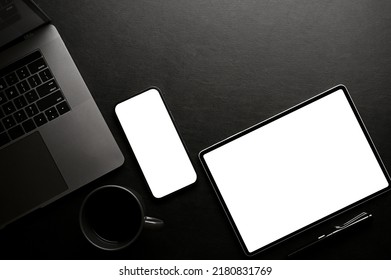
(223, 66)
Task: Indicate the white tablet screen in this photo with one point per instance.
(295, 170)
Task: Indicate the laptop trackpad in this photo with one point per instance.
(29, 177)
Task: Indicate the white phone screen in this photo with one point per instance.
(155, 142)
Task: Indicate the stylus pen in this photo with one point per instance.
(364, 216)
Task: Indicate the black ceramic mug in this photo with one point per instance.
(112, 217)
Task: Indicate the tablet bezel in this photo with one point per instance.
(276, 117)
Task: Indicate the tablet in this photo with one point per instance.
(294, 170)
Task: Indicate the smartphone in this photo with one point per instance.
(155, 142)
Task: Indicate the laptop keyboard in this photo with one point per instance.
(29, 97)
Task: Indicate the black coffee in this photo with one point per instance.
(114, 214)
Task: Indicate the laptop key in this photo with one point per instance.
(47, 88)
(31, 110)
(20, 102)
(45, 75)
(9, 108)
(31, 96)
(63, 107)
(9, 122)
(23, 87)
(16, 132)
(11, 79)
(40, 119)
(34, 81)
(11, 92)
(50, 100)
(4, 139)
(37, 66)
(51, 113)
(28, 125)
(22, 73)
(20, 116)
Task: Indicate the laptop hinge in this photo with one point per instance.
(28, 35)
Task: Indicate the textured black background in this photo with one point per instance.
(222, 66)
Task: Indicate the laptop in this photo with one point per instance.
(53, 138)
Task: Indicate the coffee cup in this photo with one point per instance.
(112, 217)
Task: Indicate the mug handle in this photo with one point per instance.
(151, 222)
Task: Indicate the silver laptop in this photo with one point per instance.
(53, 139)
